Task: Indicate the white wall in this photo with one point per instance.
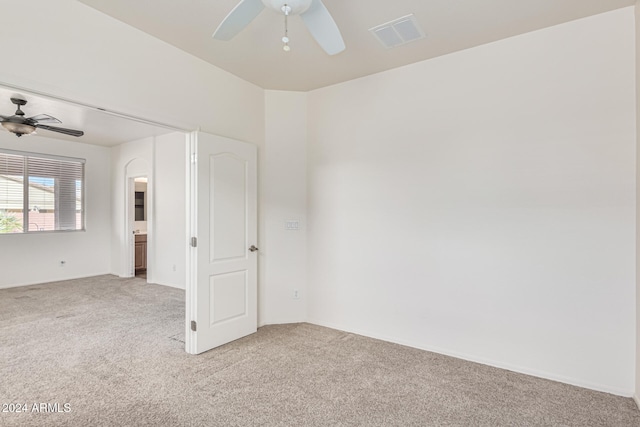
(637, 378)
(481, 204)
(170, 242)
(283, 194)
(35, 258)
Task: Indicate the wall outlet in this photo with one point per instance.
(296, 294)
(63, 263)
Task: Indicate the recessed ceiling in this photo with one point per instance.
(100, 128)
(256, 53)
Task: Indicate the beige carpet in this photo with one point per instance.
(112, 350)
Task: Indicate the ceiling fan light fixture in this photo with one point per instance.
(19, 125)
(18, 128)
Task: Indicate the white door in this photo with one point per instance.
(222, 284)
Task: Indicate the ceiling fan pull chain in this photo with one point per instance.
(286, 9)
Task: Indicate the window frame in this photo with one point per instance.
(25, 196)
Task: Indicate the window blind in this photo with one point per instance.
(40, 193)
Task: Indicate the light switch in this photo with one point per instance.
(292, 225)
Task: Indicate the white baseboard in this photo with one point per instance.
(637, 400)
(471, 358)
(282, 321)
(63, 279)
(168, 285)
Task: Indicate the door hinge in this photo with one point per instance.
(194, 242)
(194, 158)
(193, 325)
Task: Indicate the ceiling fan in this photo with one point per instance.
(20, 125)
(313, 13)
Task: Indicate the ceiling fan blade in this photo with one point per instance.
(3, 118)
(323, 28)
(65, 131)
(237, 19)
(44, 118)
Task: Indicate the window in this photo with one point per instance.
(39, 192)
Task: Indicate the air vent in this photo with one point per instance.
(398, 32)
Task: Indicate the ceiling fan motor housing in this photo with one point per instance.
(297, 6)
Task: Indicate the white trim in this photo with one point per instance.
(637, 400)
(19, 285)
(93, 107)
(168, 285)
(191, 205)
(150, 206)
(129, 221)
(489, 362)
(281, 321)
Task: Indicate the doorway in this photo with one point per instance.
(140, 221)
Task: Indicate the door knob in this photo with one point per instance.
(253, 248)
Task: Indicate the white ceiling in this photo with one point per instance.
(256, 53)
(100, 128)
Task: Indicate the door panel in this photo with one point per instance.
(222, 288)
(228, 207)
(228, 296)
